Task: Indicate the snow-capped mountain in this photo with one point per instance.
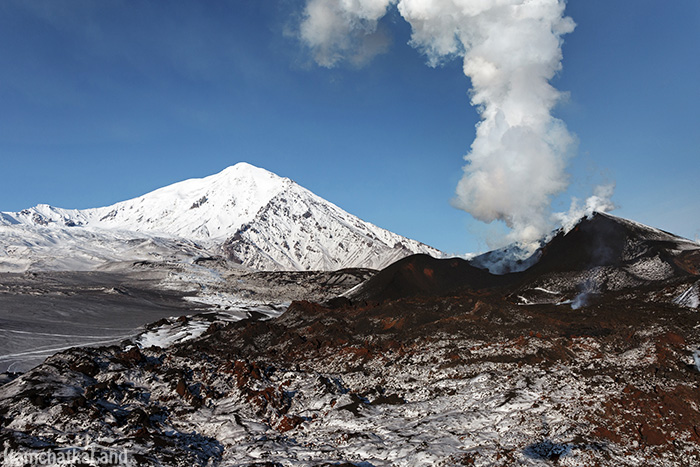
(198, 209)
(299, 230)
(253, 216)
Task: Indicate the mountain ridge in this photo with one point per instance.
(247, 214)
(175, 209)
(601, 253)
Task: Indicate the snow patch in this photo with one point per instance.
(696, 359)
(651, 269)
(690, 298)
(170, 331)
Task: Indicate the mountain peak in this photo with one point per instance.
(198, 208)
(244, 170)
(253, 216)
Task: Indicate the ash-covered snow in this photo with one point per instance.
(489, 408)
(465, 380)
(47, 312)
(651, 269)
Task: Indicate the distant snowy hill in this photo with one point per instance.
(248, 214)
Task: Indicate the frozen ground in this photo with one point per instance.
(42, 313)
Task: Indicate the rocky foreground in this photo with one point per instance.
(504, 373)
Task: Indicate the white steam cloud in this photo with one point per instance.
(338, 30)
(510, 50)
(599, 201)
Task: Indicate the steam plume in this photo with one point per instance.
(510, 50)
(339, 30)
(599, 201)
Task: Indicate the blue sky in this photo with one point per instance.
(105, 101)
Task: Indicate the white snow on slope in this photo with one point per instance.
(24, 247)
(184, 328)
(197, 209)
(690, 298)
(299, 230)
(261, 220)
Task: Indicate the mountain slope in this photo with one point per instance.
(605, 240)
(248, 214)
(424, 276)
(603, 253)
(299, 230)
(606, 253)
(39, 248)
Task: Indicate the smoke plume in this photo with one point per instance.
(510, 50)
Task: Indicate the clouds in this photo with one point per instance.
(510, 50)
(338, 30)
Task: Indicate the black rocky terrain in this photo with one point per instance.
(425, 276)
(601, 254)
(430, 362)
